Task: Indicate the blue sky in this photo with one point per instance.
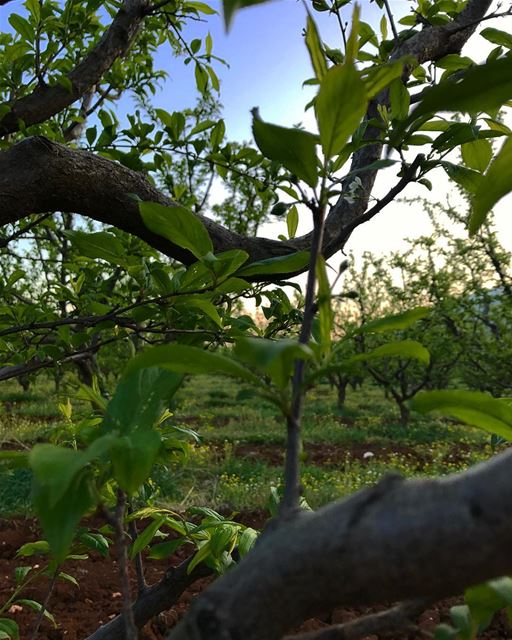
(268, 62)
(267, 58)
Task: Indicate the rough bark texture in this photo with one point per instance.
(39, 175)
(398, 540)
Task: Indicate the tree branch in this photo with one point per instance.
(46, 101)
(37, 176)
(401, 539)
(431, 43)
(396, 619)
(157, 598)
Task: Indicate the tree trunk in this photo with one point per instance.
(25, 383)
(405, 414)
(341, 388)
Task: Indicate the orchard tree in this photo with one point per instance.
(409, 349)
(65, 153)
(469, 281)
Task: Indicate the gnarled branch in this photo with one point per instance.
(401, 539)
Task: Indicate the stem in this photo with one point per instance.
(122, 557)
(292, 488)
(139, 565)
(44, 606)
(341, 25)
(392, 22)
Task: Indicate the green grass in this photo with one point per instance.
(225, 415)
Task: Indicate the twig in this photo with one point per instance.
(157, 598)
(341, 25)
(122, 557)
(44, 607)
(5, 241)
(292, 488)
(139, 565)
(113, 315)
(397, 618)
(392, 22)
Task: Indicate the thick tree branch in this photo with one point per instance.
(45, 101)
(398, 540)
(37, 176)
(431, 43)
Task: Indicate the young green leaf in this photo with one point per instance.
(339, 106)
(165, 549)
(145, 537)
(273, 357)
(496, 183)
(140, 398)
(316, 52)
(33, 548)
(283, 264)
(232, 6)
(22, 26)
(477, 154)
(482, 88)
(200, 556)
(399, 349)
(484, 600)
(472, 407)
(246, 541)
(466, 178)
(182, 358)
(133, 456)
(37, 606)
(496, 36)
(292, 221)
(9, 628)
(56, 467)
(399, 99)
(59, 518)
(395, 322)
(295, 149)
(179, 225)
(378, 78)
(353, 40)
(101, 244)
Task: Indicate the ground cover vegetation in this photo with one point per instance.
(112, 266)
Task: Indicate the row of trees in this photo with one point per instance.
(465, 287)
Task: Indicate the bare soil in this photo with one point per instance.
(327, 454)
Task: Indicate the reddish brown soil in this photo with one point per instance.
(80, 610)
(327, 454)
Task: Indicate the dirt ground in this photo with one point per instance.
(80, 610)
(326, 454)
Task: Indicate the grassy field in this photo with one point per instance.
(239, 454)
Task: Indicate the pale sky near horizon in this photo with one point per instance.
(268, 63)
